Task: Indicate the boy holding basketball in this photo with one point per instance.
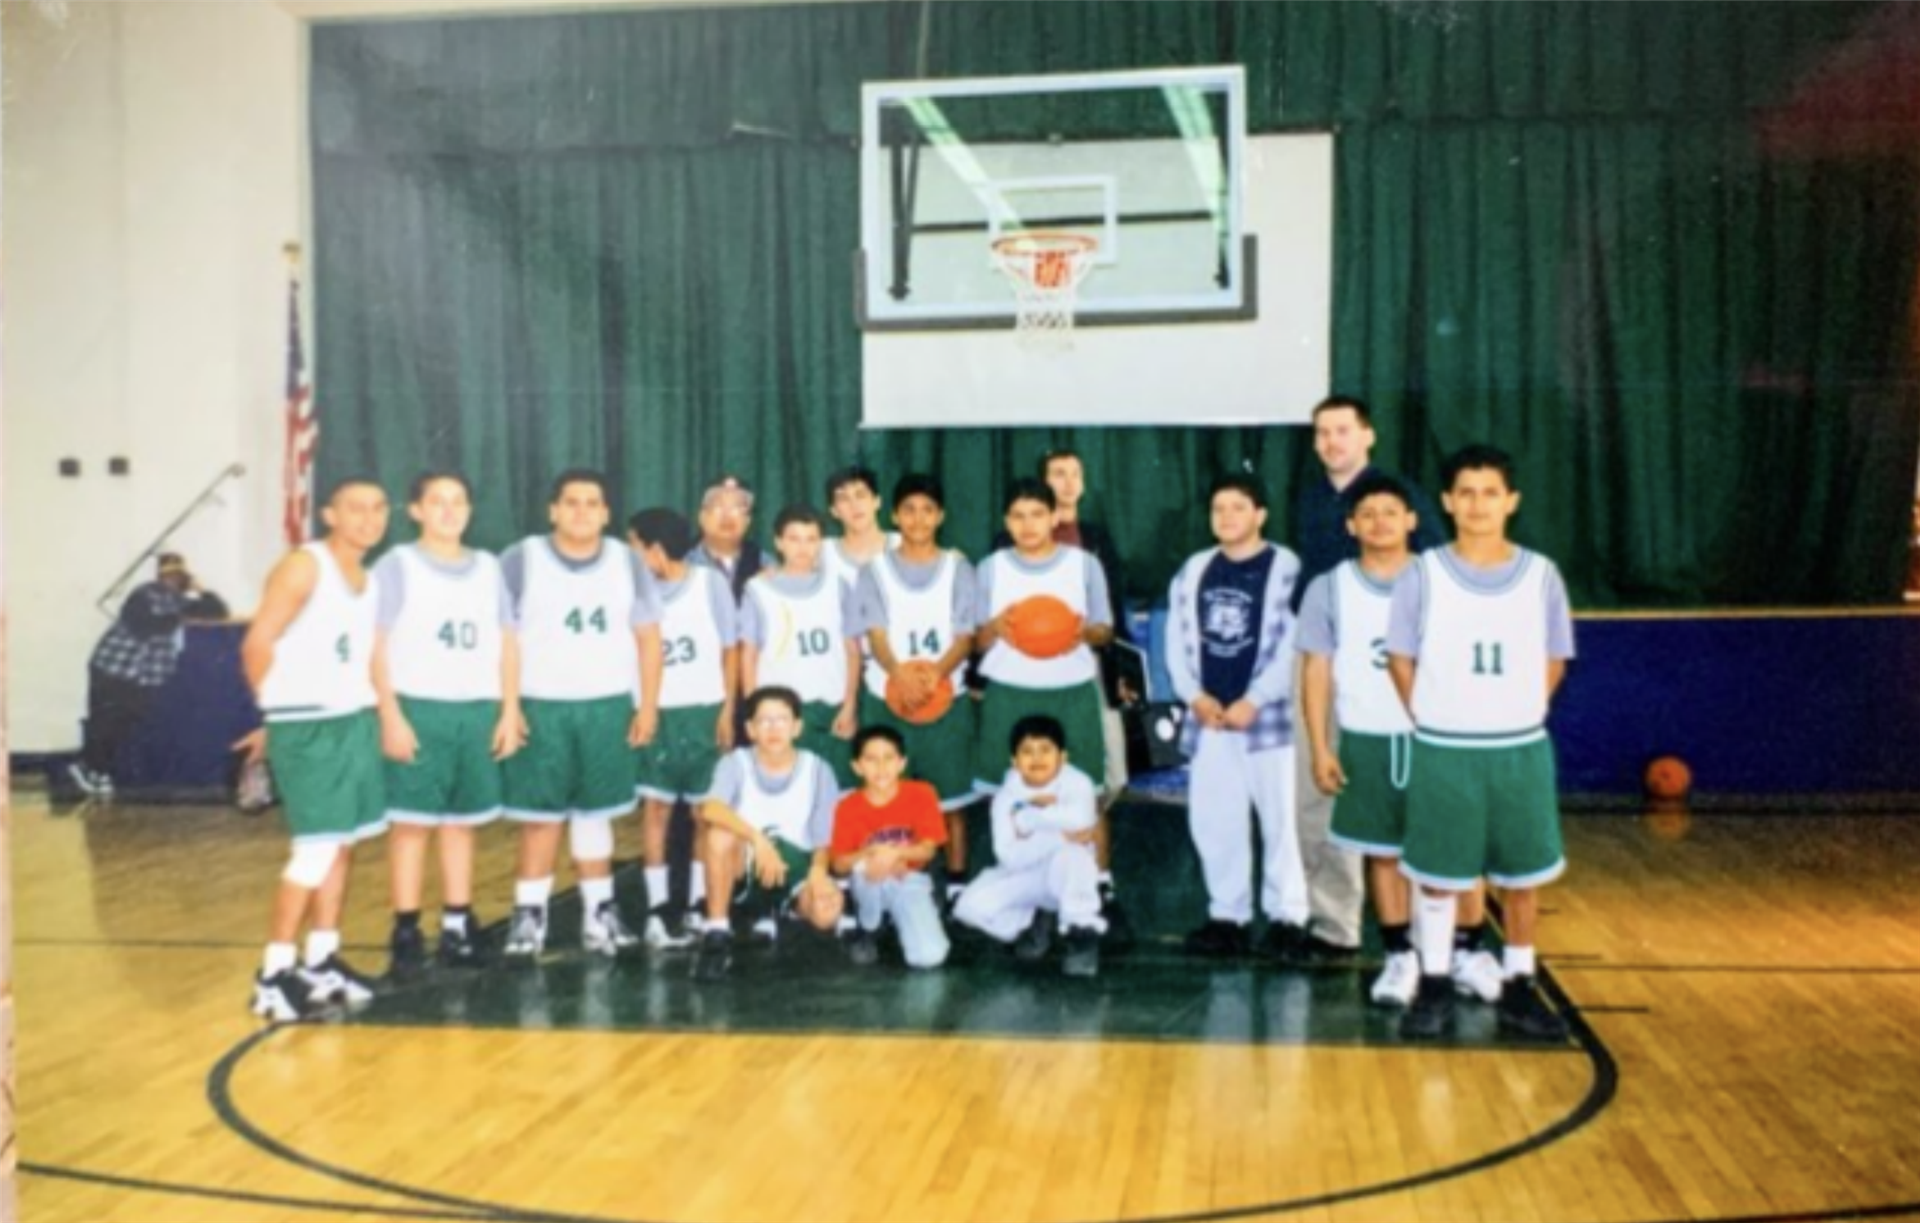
(700, 658)
(1229, 639)
(1041, 608)
(1045, 872)
(797, 631)
(1477, 641)
(884, 834)
(916, 605)
(768, 822)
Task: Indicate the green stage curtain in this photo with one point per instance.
(626, 240)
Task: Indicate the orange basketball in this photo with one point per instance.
(932, 709)
(1669, 778)
(1041, 626)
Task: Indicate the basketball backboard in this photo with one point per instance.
(1148, 165)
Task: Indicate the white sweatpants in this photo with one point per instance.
(1002, 900)
(1336, 879)
(1225, 779)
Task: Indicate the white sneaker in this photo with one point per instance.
(1398, 982)
(1477, 974)
(527, 935)
(662, 937)
(766, 930)
(606, 932)
(334, 980)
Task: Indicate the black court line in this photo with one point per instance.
(55, 1172)
(1600, 1093)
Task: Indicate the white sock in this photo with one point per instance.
(594, 893)
(697, 892)
(656, 886)
(321, 945)
(1433, 933)
(1518, 961)
(532, 892)
(279, 958)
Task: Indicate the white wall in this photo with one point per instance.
(154, 164)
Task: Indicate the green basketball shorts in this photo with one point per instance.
(1492, 812)
(454, 778)
(328, 771)
(679, 762)
(576, 761)
(1370, 814)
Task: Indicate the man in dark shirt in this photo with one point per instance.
(1343, 438)
(726, 511)
(135, 658)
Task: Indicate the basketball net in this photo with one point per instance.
(1045, 268)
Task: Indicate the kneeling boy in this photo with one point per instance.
(884, 834)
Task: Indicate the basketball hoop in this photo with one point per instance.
(1046, 268)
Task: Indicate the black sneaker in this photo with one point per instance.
(713, 957)
(1219, 940)
(407, 952)
(1037, 938)
(334, 980)
(285, 997)
(459, 948)
(1286, 943)
(1119, 935)
(1524, 1013)
(1321, 951)
(1082, 953)
(862, 948)
(1431, 1015)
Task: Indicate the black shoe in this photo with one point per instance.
(1323, 952)
(1119, 935)
(1431, 1015)
(1037, 938)
(458, 948)
(1286, 943)
(862, 948)
(1219, 940)
(1082, 955)
(1524, 1013)
(713, 958)
(407, 952)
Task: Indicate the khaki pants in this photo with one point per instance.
(1336, 886)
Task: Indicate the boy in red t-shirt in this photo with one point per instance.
(884, 834)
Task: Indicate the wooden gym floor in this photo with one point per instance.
(1748, 1047)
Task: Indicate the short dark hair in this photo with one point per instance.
(1375, 484)
(772, 692)
(1026, 488)
(434, 475)
(1058, 452)
(351, 480)
(1477, 457)
(919, 484)
(879, 730)
(804, 515)
(856, 473)
(1237, 482)
(1334, 403)
(579, 475)
(1037, 726)
(667, 528)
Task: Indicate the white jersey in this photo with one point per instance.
(446, 644)
(846, 570)
(1364, 697)
(1066, 580)
(323, 663)
(576, 629)
(805, 643)
(919, 624)
(694, 656)
(1482, 673)
(788, 814)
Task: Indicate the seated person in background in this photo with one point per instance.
(1045, 872)
(768, 820)
(884, 834)
(133, 661)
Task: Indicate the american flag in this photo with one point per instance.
(302, 430)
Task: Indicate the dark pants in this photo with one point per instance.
(115, 708)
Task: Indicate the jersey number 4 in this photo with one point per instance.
(1486, 659)
(597, 621)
